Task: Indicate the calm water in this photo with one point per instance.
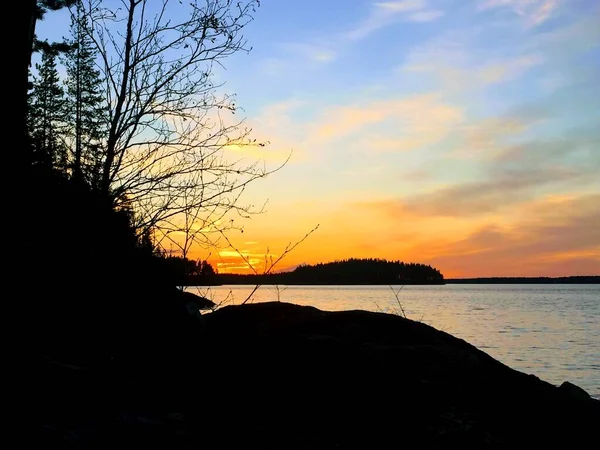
(552, 331)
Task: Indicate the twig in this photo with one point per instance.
(396, 294)
(269, 262)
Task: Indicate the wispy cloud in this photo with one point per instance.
(459, 61)
(457, 78)
(274, 127)
(516, 174)
(552, 237)
(319, 53)
(383, 14)
(425, 16)
(508, 187)
(309, 56)
(402, 6)
(579, 144)
(419, 119)
(535, 12)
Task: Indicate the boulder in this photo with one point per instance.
(575, 392)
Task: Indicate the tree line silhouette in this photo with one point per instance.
(351, 271)
(137, 118)
(189, 272)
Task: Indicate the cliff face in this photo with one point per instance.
(279, 376)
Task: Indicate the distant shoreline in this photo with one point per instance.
(593, 279)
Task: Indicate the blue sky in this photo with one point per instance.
(462, 133)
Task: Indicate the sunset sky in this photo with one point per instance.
(459, 133)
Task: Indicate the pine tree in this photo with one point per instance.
(46, 114)
(87, 111)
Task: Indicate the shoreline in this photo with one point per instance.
(583, 280)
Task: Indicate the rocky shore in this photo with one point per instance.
(282, 376)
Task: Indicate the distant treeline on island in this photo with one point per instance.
(590, 279)
(346, 272)
(352, 271)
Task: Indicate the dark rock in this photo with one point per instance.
(198, 302)
(282, 376)
(357, 379)
(575, 392)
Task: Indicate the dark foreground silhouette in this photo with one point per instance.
(109, 354)
(281, 376)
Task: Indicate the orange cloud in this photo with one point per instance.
(420, 119)
(552, 237)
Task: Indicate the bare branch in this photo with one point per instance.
(170, 128)
(270, 263)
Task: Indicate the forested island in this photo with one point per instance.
(346, 272)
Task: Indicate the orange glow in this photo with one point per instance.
(554, 239)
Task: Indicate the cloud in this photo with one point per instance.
(416, 120)
(318, 53)
(339, 122)
(384, 14)
(401, 6)
(552, 237)
(380, 126)
(514, 175)
(507, 188)
(534, 11)
(456, 76)
(487, 136)
(308, 56)
(510, 169)
(470, 200)
(425, 16)
(508, 69)
(275, 125)
(229, 260)
(578, 144)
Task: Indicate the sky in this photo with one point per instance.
(464, 134)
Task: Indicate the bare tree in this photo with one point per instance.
(166, 150)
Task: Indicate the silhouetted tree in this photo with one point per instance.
(185, 266)
(166, 141)
(86, 103)
(28, 12)
(47, 113)
(205, 269)
(26, 19)
(186, 271)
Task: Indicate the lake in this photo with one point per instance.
(551, 331)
